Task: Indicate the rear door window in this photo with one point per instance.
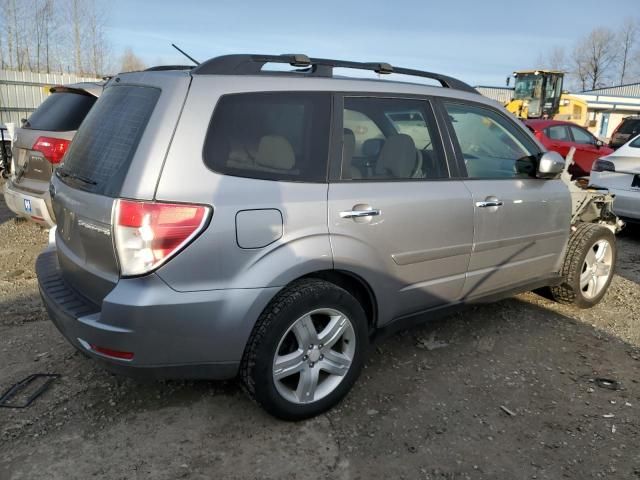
(102, 150)
(390, 139)
(270, 136)
(558, 132)
(61, 112)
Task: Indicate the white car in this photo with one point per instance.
(620, 173)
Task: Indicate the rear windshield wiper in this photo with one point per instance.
(64, 174)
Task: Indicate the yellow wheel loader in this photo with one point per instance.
(539, 94)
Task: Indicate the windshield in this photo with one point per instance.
(528, 86)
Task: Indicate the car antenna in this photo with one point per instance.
(185, 54)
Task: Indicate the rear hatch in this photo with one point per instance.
(629, 128)
(118, 152)
(44, 138)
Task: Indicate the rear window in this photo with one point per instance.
(629, 126)
(101, 151)
(271, 136)
(61, 112)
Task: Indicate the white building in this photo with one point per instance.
(608, 106)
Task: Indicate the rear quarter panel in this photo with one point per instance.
(215, 260)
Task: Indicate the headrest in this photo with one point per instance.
(276, 152)
(398, 157)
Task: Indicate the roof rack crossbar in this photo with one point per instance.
(248, 64)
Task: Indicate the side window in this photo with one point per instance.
(558, 132)
(582, 137)
(271, 136)
(492, 147)
(386, 138)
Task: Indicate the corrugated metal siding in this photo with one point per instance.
(631, 90)
(499, 94)
(22, 92)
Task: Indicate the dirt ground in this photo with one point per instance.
(417, 411)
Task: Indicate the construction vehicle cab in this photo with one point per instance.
(536, 93)
(539, 94)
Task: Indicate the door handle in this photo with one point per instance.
(359, 213)
(489, 203)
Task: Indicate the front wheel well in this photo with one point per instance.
(357, 287)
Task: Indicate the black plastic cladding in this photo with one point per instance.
(318, 67)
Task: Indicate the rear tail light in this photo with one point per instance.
(53, 149)
(147, 234)
(603, 166)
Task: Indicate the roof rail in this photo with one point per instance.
(159, 68)
(248, 64)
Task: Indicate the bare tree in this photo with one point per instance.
(627, 41)
(555, 59)
(130, 61)
(76, 22)
(96, 49)
(594, 57)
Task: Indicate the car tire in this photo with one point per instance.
(588, 266)
(288, 322)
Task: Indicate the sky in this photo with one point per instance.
(480, 42)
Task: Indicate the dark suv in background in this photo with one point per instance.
(629, 127)
(39, 146)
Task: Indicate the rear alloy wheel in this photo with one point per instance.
(306, 350)
(310, 364)
(588, 266)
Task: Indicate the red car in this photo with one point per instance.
(560, 136)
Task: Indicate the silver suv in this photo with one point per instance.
(231, 220)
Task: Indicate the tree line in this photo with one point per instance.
(604, 57)
(59, 36)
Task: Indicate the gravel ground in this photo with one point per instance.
(500, 391)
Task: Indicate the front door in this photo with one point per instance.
(396, 218)
(521, 222)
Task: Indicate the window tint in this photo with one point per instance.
(61, 112)
(103, 148)
(390, 139)
(635, 143)
(558, 132)
(581, 136)
(629, 126)
(491, 145)
(272, 136)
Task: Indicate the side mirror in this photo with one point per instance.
(550, 165)
(599, 143)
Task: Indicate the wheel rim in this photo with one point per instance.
(596, 269)
(314, 355)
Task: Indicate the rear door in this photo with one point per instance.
(127, 123)
(521, 222)
(558, 139)
(397, 217)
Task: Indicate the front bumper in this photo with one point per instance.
(35, 207)
(170, 334)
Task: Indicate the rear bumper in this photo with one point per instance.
(170, 334)
(626, 204)
(36, 207)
